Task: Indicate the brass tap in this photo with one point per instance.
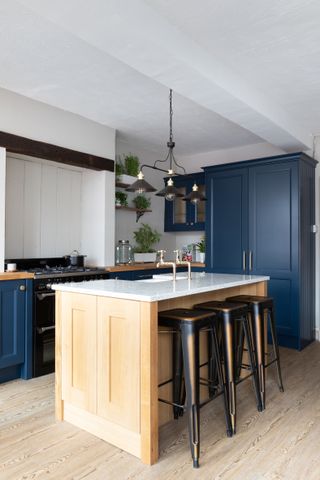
(182, 262)
(162, 262)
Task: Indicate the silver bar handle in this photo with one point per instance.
(250, 260)
(42, 296)
(45, 329)
(244, 260)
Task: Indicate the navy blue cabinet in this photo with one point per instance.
(15, 329)
(260, 215)
(183, 216)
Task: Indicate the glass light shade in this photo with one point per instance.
(170, 192)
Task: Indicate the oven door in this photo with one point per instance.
(44, 308)
(43, 332)
(43, 350)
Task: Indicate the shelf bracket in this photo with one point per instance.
(139, 214)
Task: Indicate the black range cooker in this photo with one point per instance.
(47, 272)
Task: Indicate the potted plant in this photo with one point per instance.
(131, 164)
(145, 237)
(127, 168)
(121, 199)
(202, 249)
(141, 202)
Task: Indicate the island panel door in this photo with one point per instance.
(79, 356)
(119, 356)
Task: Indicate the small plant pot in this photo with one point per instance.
(145, 257)
(127, 179)
(202, 257)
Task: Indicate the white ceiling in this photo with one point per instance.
(242, 72)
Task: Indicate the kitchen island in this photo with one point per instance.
(110, 356)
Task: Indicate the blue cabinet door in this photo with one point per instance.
(227, 221)
(12, 323)
(274, 238)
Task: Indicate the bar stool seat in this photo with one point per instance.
(189, 323)
(258, 304)
(234, 315)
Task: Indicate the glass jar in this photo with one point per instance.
(124, 252)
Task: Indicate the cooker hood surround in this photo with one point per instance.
(170, 192)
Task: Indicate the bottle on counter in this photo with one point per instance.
(124, 252)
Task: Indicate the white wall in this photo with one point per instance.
(98, 217)
(193, 163)
(35, 120)
(317, 157)
(2, 205)
(22, 116)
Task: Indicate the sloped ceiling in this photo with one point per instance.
(242, 72)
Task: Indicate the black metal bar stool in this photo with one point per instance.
(258, 305)
(189, 322)
(235, 318)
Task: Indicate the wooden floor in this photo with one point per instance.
(281, 443)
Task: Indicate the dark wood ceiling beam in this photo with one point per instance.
(34, 148)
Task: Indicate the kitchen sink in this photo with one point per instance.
(163, 278)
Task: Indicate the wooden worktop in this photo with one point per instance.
(15, 275)
(146, 266)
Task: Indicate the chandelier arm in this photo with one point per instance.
(177, 164)
(162, 161)
(153, 168)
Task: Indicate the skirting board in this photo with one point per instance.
(107, 431)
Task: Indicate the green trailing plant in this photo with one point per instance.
(131, 164)
(145, 237)
(121, 198)
(141, 202)
(202, 245)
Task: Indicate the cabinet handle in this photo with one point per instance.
(250, 260)
(244, 260)
(22, 288)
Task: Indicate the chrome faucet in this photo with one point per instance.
(182, 262)
(162, 262)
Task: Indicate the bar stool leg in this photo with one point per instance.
(240, 348)
(275, 347)
(190, 348)
(252, 362)
(177, 373)
(212, 365)
(221, 379)
(230, 367)
(258, 329)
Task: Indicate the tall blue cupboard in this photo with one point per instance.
(260, 221)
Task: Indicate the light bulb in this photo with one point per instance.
(170, 197)
(195, 201)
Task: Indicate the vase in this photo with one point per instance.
(202, 257)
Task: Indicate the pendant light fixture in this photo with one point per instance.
(170, 192)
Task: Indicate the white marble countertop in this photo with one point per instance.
(148, 291)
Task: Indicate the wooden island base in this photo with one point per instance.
(109, 361)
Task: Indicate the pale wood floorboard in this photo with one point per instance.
(281, 443)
